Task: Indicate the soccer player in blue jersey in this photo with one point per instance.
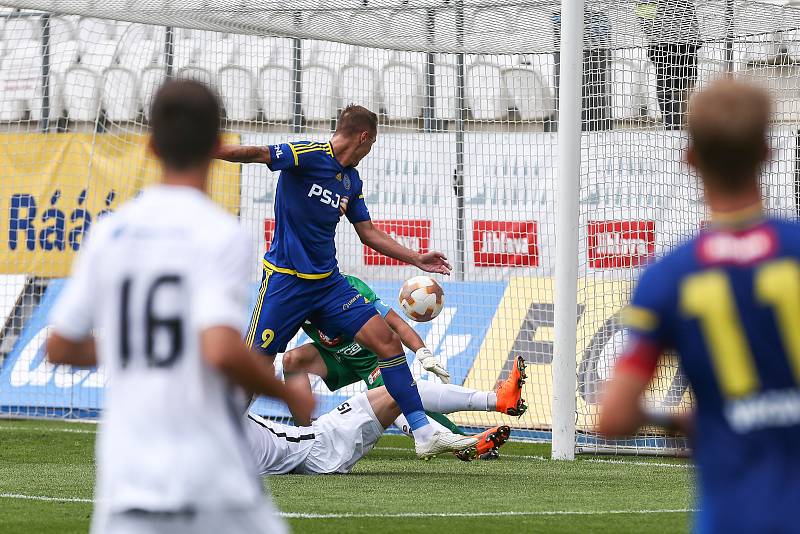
(728, 301)
(318, 185)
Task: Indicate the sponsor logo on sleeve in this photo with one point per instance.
(620, 244)
(505, 243)
(413, 234)
(269, 232)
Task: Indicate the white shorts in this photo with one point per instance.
(342, 437)
(257, 519)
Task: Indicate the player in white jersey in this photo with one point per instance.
(340, 438)
(164, 283)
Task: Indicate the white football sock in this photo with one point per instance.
(448, 398)
(402, 424)
(423, 433)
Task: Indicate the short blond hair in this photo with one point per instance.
(728, 125)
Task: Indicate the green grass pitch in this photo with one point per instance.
(47, 474)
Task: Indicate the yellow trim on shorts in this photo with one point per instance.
(251, 332)
(284, 270)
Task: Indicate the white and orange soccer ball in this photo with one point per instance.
(422, 298)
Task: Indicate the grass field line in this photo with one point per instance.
(546, 459)
(409, 515)
(50, 429)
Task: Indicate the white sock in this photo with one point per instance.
(448, 398)
(423, 433)
(402, 424)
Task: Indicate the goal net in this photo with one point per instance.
(466, 161)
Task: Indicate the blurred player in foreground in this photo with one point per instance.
(164, 282)
(728, 302)
(318, 185)
(341, 437)
(341, 361)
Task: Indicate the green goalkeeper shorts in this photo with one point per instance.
(344, 370)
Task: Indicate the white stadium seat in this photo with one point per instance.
(196, 73)
(120, 94)
(445, 89)
(98, 56)
(237, 89)
(81, 94)
(22, 29)
(217, 54)
(486, 91)
(402, 90)
(253, 53)
(63, 55)
(529, 93)
(319, 92)
(93, 30)
(21, 78)
(55, 98)
(275, 87)
(184, 52)
(61, 29)
(628, 90)
(150, 80)
(359, 84)
(145, 54)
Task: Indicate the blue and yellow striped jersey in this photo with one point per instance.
(313, 192)
(728, 302)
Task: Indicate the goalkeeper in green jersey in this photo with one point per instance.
(340, 361)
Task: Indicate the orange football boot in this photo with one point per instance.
(488, 443)
(509, 392)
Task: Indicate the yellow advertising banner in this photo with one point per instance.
(53, 186)
(523, 324)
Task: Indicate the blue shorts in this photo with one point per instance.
(285, 301)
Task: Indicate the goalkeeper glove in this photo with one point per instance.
(429, 363)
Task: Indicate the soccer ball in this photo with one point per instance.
(421, 298)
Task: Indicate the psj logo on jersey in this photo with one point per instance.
(328, 197)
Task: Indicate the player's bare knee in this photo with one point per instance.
(291, 362)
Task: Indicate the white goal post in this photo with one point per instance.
(539, 146)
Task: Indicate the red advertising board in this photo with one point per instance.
(414, 234)
(615, 244)
(505, 243)
(269, 231)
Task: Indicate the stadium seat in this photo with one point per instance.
(54, 96)
(529, 93)
(150, 80)
(21, 78)
(81, 94)
(98, 56)
(196, 73)
(629, 88)
(237, 90)
(22, 29)
(184, 52)
(61, 30)
(275, 89)
(144, 54)
(319, 92)
(486, 92)
(63, 55)
(359, 84)
(93, 30)
(217, 54)
(402, 90)
(327, 53)
(120, 94)
(445, 91)
(252, 53)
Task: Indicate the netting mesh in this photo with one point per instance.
(465, 161)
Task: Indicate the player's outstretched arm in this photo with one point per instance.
(410, 338)
(376, 239)
(243, 154)
(224, 349)
(61, 350)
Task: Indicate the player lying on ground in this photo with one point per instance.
(341, 361)
(318, 185)
(341, 437)
(728, 302)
